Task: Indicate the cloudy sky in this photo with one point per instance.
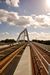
(15, 15)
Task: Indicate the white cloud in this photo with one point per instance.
(48, 14)
(12, 18)
(42, 20)
(32, 35)
(39, 36)
(5, 16)
(0, 23)
(7, 35)
(13, 2)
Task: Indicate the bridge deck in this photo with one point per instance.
(24, 67)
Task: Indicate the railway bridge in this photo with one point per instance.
(24, 58)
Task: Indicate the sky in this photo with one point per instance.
(16, 15)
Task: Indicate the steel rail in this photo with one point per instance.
(5, 49)
(39, 55)
(5, 62)
(44, 50)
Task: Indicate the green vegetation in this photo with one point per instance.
(8, 41)
(47, 42)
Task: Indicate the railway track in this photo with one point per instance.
(6, 52)
(45, 51)
(10, 57)
(1, 49)
(40, 60)
(9, 47)
(7, 56)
